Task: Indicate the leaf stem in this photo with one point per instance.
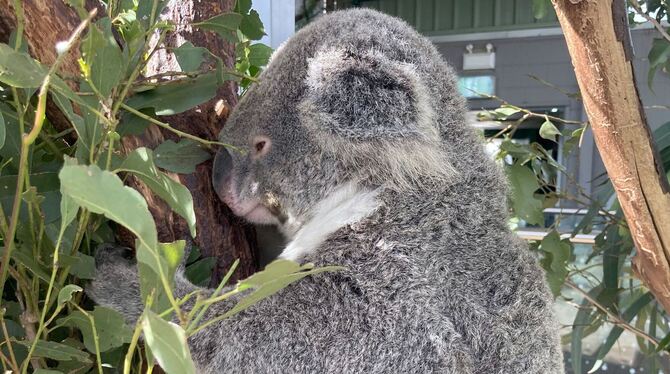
(172, 129)
(40, 327)
(13, 362)
(613, 317)
(657, 25)
(96, 339)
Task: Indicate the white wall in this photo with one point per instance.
(278, 17)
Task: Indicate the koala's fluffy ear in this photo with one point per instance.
(374, 113)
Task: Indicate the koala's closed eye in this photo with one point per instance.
(260, 146)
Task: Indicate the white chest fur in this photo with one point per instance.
(346, 205)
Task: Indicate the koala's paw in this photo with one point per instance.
(116, 283)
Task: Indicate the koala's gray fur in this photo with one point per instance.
(370, 166)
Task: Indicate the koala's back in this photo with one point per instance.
(434, 279)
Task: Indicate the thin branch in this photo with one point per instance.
(613, 318)
(651, 19)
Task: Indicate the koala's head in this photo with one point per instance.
(329, 109)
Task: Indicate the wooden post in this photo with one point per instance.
(596, 32)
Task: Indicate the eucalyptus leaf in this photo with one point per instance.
(46, 371)
(276, 276)
(251, 26)
(224, 23)
(616, 331)
(540, 8)
(57, 351)
(259, 54)
(65, 293)
(583, 319)
(505, 111)
(68, 211)
(189, 56)
(199, 272)
(168, 344)
(177, 96)
(81, 265)
(110, 327)
(524, 184)
(555, 262)
(146, 11)
(658, 56)
(103, 192)
(19, 70)
(180, 157)
(549, 131)
(173, 254)
(103, 57)
(140, 163)
(3, 131)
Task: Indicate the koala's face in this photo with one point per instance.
(274, 172)
(327, 111)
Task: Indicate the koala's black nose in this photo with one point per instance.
(223, 164)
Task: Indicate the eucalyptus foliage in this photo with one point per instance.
(604, 287)
(62, 192)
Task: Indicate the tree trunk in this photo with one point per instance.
(599, 43)
(219, 233)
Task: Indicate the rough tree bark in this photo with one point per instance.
(599, 43)
(219, 233)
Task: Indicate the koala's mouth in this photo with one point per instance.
(257, 214)
(254, 210)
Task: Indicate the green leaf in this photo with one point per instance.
(658, 56)
(25, 257)
(664, 343)
(585, 225)
(555, 262)
(243, 6)
(130, 124)
(259, 54)
(103, 57)
(19, 69)
(524, 184)
(504, 112)
(275, 277)
(56, 351)
(583, 319)
(3, 131)
(168, 344)
(225, 24)
(81, 265)
(549, 131)
(145, 12)
(65, 294)
(540, 8)
(180, 157)
(46, 371)
(141, 163)
(173, 254)
(252, 26)
(110, 327)
(200, 272)
(177, 96)
(103, 192)
(190, 57)
(616, 331)
(68, 211)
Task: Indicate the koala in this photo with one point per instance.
(358, 151)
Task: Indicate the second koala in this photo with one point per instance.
(359, 152)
